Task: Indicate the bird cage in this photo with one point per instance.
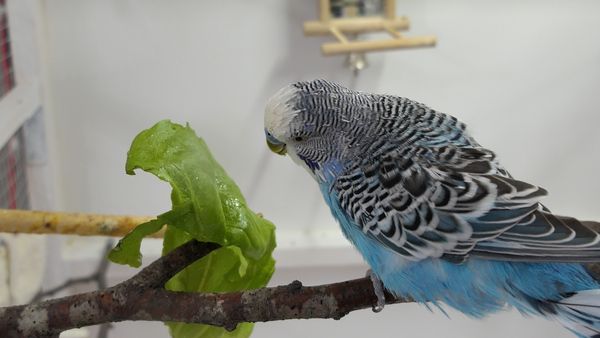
(13, 178)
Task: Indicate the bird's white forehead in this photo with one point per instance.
(280, 111)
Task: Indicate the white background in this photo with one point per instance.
(524, 75)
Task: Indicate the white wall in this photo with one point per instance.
(524, 75)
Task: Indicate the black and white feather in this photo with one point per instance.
(413, 179)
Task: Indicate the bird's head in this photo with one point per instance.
(317, 124)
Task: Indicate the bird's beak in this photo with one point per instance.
(277, 147)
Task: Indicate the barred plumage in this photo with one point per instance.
(413, 190)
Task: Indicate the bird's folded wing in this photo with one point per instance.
(455, 203)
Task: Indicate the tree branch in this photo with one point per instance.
(292, 301)
(117, 303)
(143, 297)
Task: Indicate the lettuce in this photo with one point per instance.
(208, 206)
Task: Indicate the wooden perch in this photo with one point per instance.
(355, 25)
(44, 222)
(345, 45)
(143, 298)
(338, 35)
(334, 48)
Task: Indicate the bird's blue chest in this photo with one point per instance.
(476, 287)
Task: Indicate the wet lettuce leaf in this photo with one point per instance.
(208, 206)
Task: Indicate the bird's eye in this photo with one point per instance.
(299, 138)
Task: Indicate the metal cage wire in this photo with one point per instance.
(13, 174)
(13, 180)
(7, 78)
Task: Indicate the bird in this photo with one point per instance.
(433, 213)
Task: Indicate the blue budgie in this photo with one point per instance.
(433, 213)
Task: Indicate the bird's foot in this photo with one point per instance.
(378, 288)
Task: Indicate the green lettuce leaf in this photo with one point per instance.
(127, 250)
(208, 206)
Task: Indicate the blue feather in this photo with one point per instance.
(479, 286)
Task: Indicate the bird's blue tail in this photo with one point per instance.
(580, 313)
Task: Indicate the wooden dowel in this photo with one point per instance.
(44, 222)
(355, 25)
(338, 35)
(324, 10)
(390, 9)
(394, 33)
(335, 48)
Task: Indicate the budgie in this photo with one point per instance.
(433, 213)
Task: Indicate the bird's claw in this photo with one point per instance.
(378, 288)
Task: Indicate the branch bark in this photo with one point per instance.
(117, 303)
(143, 297)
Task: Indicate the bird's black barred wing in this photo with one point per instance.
(454, 202)
(544, 237)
